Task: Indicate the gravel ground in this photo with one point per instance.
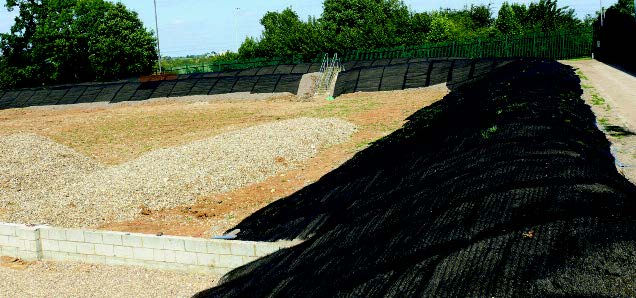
(47, 279)
(237, 96)
(44, 182)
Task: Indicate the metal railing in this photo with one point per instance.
(551, 45)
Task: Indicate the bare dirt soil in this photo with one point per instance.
(116, 134)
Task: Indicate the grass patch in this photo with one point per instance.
(597, 100)
(486, 134)
(579, 59)
(580, 74)
(603, 121)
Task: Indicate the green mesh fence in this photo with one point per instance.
(552, 45)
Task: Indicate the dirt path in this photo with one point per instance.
(612, 95)
(618, 87)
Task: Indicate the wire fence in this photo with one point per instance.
(550, 45)
(233, 65)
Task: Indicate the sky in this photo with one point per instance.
(202, 26)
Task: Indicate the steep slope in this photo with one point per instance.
(504, 188)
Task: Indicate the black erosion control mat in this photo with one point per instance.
(504, 188)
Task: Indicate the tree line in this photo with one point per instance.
(66, 41)
(367, 24)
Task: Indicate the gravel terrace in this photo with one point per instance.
(45, 182)
(49, 279)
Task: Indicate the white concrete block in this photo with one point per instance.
(131, 240)
(7, 229)
(240, 248)
(229, 261)
(14, 241)
(86, 248)
(93, 237)
(116, 261)
(175, 244)
(196, 245)
(112, 238)
(154, 242)
(75, 235)
(219, 247)
(28, 255)
(56, 256)
(186, 257)
(29, 245)
(263, 249)
(123, 252)
(205, 259)
(56, 234)
(220, 271)
(92, 259)
(141, 253)
(105, 250)
(44, 232)
(249, 259)
(169, 256)
(76, 258)
(159, 255)
(67, 246)
(162, 265)
(10, 251)
(4, 240)
(28, 234)
(50, 245)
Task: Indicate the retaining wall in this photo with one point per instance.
(401, 73)
(119, 248)
(268, 79)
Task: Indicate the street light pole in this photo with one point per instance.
(157, 30)
(236, 40)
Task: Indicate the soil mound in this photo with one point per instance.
(504, 188)
(50, 183)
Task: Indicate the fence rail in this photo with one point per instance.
(552, 45)
(233, 65)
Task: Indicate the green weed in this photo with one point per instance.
(488, 132)
(597, 100)
(580, 74)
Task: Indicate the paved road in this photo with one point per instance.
(616, 86)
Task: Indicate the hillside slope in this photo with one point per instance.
(504, 188)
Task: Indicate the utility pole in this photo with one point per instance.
(157, 30)
(602, 12)
(236, 40)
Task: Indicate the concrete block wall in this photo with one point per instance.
(120, 248)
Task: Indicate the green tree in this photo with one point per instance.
(545, 15)
(507, 21)
(249, 48)
(63, 41)
(418, 29)
(286, 35)
(625, 7)
(442, 29)
(364, 24)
